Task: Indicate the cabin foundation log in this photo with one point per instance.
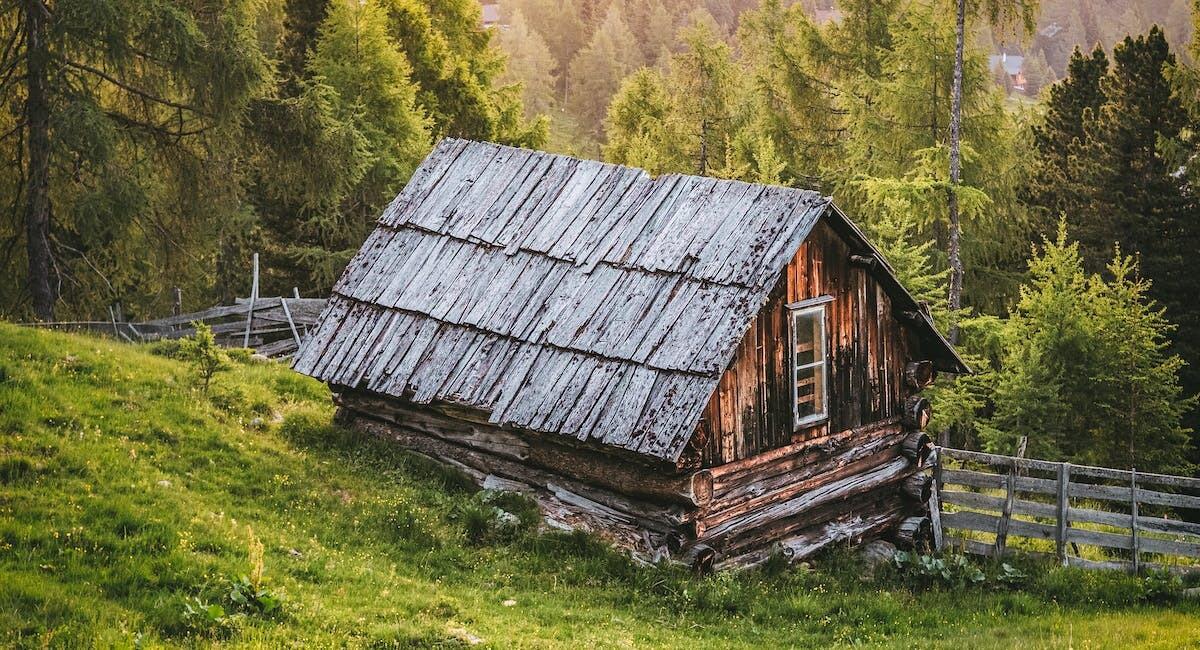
(645, 481)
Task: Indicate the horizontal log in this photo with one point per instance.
(849, 526)
(767, 534)
(784, 457)
(1123, 520)
(914, 532)
(917, 447)
(724, 510)
(752, 486)
(590, 466)
(918, 488)
(477, 464)
(1076, 470)
(917, 412)
(919, 374)
(849, 486)
(985, 480)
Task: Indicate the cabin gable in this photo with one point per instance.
(867, 347)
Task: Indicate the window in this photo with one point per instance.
(809, 368)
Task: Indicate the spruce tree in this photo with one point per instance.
(1084, 372)
(1059, 138)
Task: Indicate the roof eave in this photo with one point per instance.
(949, 360)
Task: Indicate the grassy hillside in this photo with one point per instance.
(132, 505)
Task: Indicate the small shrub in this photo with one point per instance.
(202, 351)
(169, 348)
(1162, 586)
(924, 571)
(487, 518)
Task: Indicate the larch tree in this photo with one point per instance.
(120, 113)
(596, 72)
(896, 149)
(790, 102)
(996, 11)
(530, 64)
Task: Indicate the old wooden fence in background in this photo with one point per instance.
(1065, 511)
(272, 326)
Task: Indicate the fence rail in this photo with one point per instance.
(1136, 515)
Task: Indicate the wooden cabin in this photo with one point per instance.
(700, 369)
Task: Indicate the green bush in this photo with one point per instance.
(494, 517)
(169, 348)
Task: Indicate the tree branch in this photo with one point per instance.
(136, 91)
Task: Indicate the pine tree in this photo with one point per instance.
(1133, 195)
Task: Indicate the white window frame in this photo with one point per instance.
(799, 310)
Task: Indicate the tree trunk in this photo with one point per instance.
(956, 269)
(37, 198)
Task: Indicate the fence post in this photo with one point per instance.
(935, 504)
(253, 298)
(1133, 525)
(1006, 514)
(1063, 514)
(177, 307)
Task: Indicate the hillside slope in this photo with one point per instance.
(131, 505)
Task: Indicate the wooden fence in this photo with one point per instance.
(272, 326)
(1125, 518)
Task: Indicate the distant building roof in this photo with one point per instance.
(491, 15)
(1051, 30)
(1012, 63)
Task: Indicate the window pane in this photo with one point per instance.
(808, 391)
(808, 358)
(807, 330)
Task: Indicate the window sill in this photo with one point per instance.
(810, 423)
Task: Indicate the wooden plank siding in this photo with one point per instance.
(751, 411)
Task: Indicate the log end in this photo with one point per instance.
(702, 558)
(917, 447)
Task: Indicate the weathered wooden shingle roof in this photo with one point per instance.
(560, 295)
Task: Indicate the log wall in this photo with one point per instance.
(798, 498)
(751, 412)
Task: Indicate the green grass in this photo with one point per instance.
(127, 495)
